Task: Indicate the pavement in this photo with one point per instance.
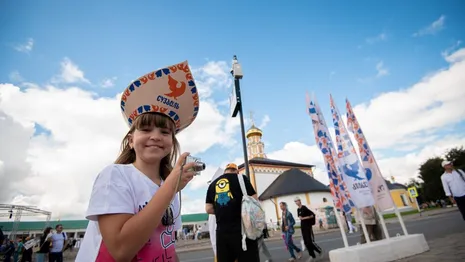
(444, 229)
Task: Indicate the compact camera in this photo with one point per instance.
(199, 165)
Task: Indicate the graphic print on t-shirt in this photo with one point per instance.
(223, 193)
(160, 246)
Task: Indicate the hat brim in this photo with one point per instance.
(170, 91)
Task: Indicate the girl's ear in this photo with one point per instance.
(131, 141)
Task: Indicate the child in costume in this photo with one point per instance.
(135, 208)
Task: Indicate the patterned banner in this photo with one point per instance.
(378, 185)
(338, 188)
(352, 170)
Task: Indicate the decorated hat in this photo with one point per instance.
(170, 91)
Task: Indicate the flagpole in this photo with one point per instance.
(341, 227)
(396, 210)
(383, 224)
(364, 227)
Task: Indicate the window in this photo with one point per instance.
(404, 199)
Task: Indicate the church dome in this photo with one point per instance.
(254, 131)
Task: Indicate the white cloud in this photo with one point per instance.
(298, 152)
(433, 28)
(108, 82)
(451, 49)
(25, 47)
(458, 56)
(405, 167)
(379, 38)
(265, 120)
(191, 205)
(15, 77)
(212, 76)
(70, 73)
(55, 170)
(404, 117)
(381, 70)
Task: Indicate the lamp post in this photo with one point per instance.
(236, 72)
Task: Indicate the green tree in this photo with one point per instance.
(457, 156)
(430, 173)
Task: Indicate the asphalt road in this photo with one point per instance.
(432, 227)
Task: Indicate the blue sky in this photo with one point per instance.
(358, 50)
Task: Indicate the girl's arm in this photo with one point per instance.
(126, 234)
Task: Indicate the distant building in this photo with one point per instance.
(401, 197)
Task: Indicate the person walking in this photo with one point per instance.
(287, 227)
(453, 182)
(262, 246)
(307, 220)
(350, 226)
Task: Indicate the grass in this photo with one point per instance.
(406, 213)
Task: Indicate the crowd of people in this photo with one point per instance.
(48, 247)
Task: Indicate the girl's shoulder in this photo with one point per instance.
(115, 172)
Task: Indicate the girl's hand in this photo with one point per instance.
(186, 175)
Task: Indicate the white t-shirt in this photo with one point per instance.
(58, 240)
(123, 189)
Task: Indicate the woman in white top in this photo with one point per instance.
(134, 208)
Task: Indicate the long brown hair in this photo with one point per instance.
(149, 120)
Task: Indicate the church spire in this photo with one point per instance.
(255, 146)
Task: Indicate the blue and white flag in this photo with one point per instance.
(353, 172)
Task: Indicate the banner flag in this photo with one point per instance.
(378, 185)
(338, 188)
(353, 173)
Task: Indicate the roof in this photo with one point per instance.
(81, 224)
(190, 218)
(40, 225)
(271, 162)
(253, 130)
(293, 181)
(393, 186)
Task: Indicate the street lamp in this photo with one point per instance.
(236, 107)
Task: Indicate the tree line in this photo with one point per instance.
(428, 181)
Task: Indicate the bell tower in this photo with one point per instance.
(255, 146)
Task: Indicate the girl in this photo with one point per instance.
(134, 209)
(287, 228)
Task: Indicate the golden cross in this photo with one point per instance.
(251, 118)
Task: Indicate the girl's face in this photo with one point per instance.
(152, 143)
